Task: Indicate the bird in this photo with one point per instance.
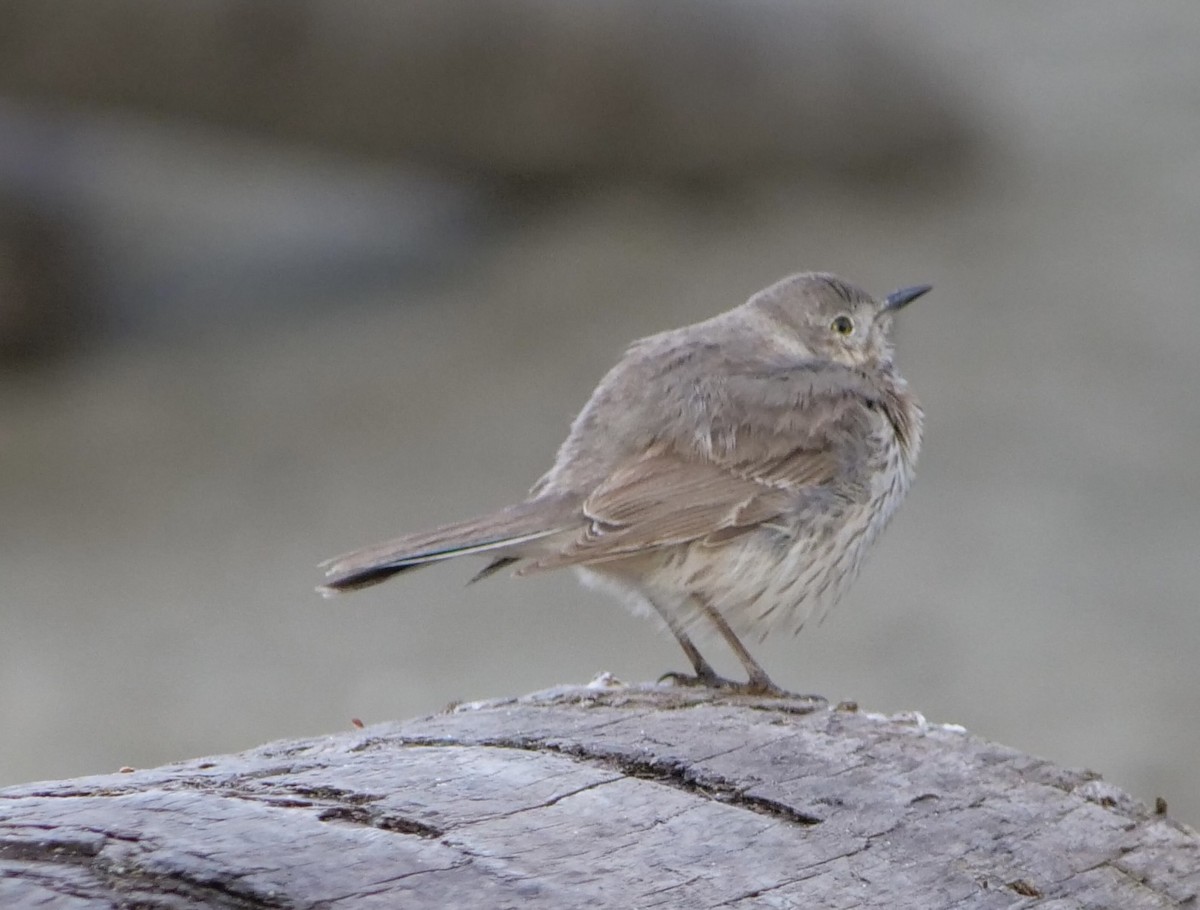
(725, 477)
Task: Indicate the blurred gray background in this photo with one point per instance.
(279, 279)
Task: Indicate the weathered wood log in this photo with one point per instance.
(602, 796)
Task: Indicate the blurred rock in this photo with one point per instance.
(213, 160)
(42, 311)
(517, 89)
(171, 230)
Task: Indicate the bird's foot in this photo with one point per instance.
(761, 687)
(757, 687)
(702, 680)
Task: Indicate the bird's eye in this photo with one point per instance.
(843, 325)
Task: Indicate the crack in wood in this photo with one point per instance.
(552, 801)
(675, 774)
(384, 821)
(383, 886)
(147, 890)
(336, 804)
(811, 871)
(50, 851)
(338, 795)
(131, 884)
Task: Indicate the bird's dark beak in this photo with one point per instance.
(903, 297)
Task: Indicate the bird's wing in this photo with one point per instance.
(811, 449)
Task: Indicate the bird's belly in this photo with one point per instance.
(774, 577)
(777, 577)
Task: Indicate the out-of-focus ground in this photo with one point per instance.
(419, 347)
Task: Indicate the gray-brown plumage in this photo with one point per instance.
(727, 475)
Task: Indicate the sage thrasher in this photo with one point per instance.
(729, 475)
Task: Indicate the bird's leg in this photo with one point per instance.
(705, 674)
(757, 682)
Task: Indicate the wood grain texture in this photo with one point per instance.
(601, 796)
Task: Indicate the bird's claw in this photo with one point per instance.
(762, 688)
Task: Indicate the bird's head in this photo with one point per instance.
(822, 316)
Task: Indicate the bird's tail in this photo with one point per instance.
(499, 533)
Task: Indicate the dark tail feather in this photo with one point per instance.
(365, 579)
(495, 533)
(492, 568)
